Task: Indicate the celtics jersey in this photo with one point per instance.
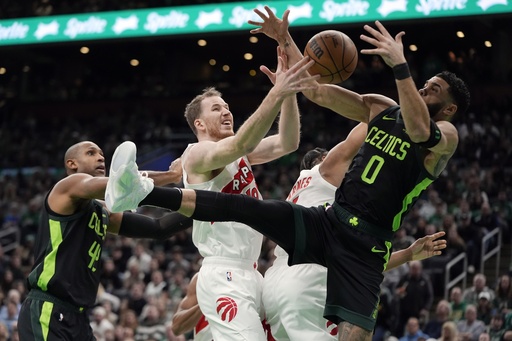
(387, 175)
(67, 253)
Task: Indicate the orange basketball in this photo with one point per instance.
(335, 56)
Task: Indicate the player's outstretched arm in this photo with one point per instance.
(413, 108)
(422, 248)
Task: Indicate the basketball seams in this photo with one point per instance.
(334, 64)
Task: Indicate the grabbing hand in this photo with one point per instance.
(428, 246)
(271, 26)
(288, 81)
(390, 49)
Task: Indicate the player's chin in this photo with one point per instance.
(99, 172)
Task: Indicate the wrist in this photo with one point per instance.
(401, 71)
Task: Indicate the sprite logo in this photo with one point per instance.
(353, 221)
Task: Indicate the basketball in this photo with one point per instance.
(335, 56)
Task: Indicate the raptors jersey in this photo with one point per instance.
(310, 189)
(228, 239)
(294, 297)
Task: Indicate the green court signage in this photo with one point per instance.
(230, 17)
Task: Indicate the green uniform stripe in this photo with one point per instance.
(408, 200)
(44, 318)
(49, 263)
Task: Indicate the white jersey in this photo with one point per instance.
(229, 285)
(310, 189)
(228, 239)
(294, 297)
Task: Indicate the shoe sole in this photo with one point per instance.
(124, 153)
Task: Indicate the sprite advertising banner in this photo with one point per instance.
(230, 17)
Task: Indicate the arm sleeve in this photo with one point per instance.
(136, 225)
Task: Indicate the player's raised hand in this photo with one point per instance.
(428, 246)
(390, 49)
(271, 25)
(288, 81)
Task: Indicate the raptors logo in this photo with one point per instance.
(226, 309)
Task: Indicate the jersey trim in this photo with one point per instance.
(408, 200)
(49, 263)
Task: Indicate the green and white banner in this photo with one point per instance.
(230, 17)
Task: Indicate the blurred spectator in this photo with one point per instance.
(415, 294)
(496, 329)
(402, 240)
(471, 294)
(99, 323)
(110, 277)
(413, 331)
(141, 257)
(152, 325)
(502, 302)
(470, 328)
(128, 323)
(434, 326)
(449, 332)
(457, 304)
(4, 332)
(484, 308)
(157, 288)
(136, 300)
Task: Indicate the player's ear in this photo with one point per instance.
(199, 124)
(71, 164)
(450, 109)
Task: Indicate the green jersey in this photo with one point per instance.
(66, 254)
(387, 175)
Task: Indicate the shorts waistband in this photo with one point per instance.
(357, 223)
(44, 296)
(240, 263)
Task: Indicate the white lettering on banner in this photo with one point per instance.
(123, 24)
(428, 6)
(207, 18)
(15, 31)
(92, 25)
(174, 19)
(240, 15)
(389, 6)
(43, 30)
(351, 8)
(485, 4)
(302, 11)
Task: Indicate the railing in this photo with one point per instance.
(448, 284)
(486, 254)
(13, 230)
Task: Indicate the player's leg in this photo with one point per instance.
(43, 320)
(273, 218)
(294, 299)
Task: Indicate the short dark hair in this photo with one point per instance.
(458, 90)
(193, 109)
(312, 158)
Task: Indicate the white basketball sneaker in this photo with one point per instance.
(126, 186)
